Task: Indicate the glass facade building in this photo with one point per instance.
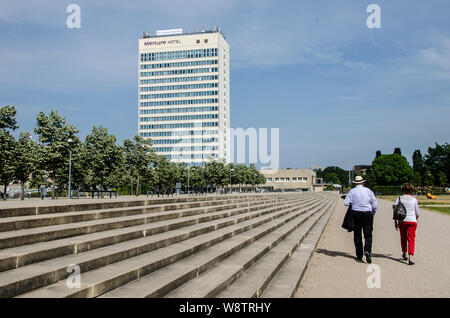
(184, 95)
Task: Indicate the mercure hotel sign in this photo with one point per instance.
(161, 42)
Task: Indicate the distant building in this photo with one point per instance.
(360, 170)
(184, 94)
(291, 180)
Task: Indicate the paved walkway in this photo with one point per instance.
(334, 272)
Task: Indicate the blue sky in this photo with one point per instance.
(337, 90)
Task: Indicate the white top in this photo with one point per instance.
(411, 206)
(362, 199)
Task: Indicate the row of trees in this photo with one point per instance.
(334, 175)
(432, 169)
(99, 161)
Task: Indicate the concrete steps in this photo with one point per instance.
(154, 248)
(48, 233)
(257, 261)
(228, 255)
(266, 272)
(40, 220)
(157, 223)
(40, 207)
(288, 279)
(87, 250)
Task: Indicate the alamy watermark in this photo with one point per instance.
(374, 279)
(74, 279)
(74, 19)
(374, 19)
(258, 151)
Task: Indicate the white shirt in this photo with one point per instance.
(362, 199)
(411, 206)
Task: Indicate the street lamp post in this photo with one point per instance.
(254, 182)
(70, 166)
(230, 178)
(189, 169)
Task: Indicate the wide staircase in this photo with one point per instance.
(242, 245)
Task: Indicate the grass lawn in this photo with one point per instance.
(425, 203)
(442, 209)
(440, 199)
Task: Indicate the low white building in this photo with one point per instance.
(291, 180)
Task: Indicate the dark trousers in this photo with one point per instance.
(363, 221)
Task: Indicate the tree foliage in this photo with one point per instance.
(139, 159)
(103, 155)
(26, 154)
(7, 146)
(390, 169)
(437, 161)
(54, 134)
(333, 174)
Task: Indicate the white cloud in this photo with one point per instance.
(437, 57)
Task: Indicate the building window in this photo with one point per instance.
(198, 41)
(206, 40)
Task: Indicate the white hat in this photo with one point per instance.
(359, 179)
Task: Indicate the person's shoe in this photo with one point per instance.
(410, 263)
(368, 258)
(404, 257)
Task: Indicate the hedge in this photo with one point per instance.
(387, 190)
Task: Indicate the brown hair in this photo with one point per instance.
(407, 188)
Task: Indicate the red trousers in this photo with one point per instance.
(408, 236)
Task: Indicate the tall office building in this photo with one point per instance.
(184, 94)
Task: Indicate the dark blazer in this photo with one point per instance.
(348, 220)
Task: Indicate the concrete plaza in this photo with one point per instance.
(334, 272)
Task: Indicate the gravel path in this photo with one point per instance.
(334, 272)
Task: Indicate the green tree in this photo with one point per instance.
(167, 174)
(196, 177)
(7, 146)
(398, 151)
(103, 155)
(391, 169)
(418, 166)
(328, 174)
(378, 153)
(331, 177)
(8, 118)
(216, 173)
(437, 161)
(25, 159)
(240, 175)
(54, 133)
(139, 161)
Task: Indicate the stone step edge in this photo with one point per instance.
(134, 274)
(60, 274)
(229, 280)
(301, 257)
(26, 222)
(161, 291)
(80, 206)
(79, 228)
(258, 290)
(23, 259)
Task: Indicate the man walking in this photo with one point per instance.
(364, 205)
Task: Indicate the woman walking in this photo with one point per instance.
(409, 225)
